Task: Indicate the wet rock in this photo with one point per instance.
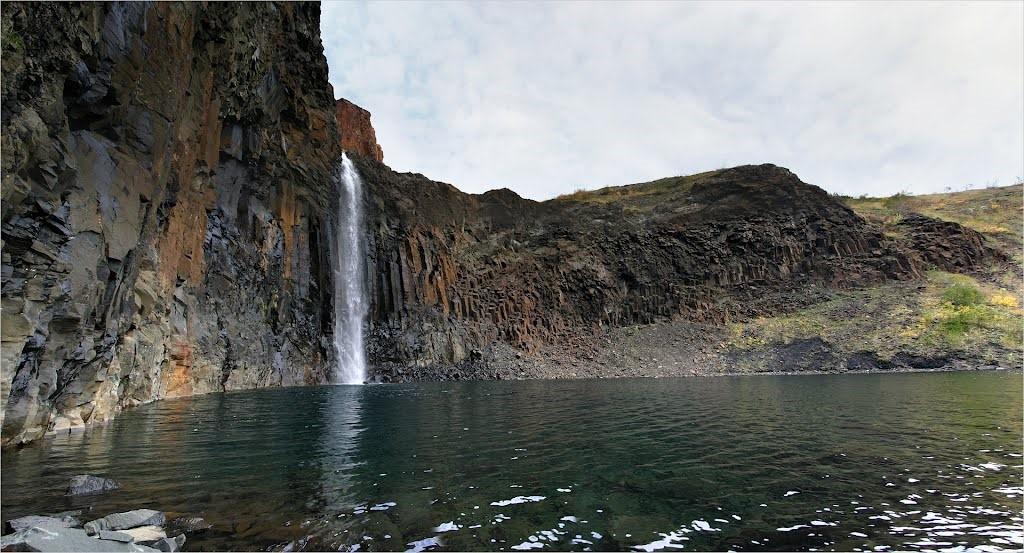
(126, 520)
(168, 544)
(21, 523)
(189, 524)
(64, 539)
(87, 484)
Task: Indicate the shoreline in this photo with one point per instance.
(900, 370)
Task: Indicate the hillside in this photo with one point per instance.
(736, 270)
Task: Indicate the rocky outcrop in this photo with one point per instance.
(357, 134)
(466, 279)
(167, 182)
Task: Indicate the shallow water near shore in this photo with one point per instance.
(928, 461)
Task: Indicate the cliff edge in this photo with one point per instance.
(167, 182)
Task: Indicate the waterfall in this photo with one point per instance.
(349, 293)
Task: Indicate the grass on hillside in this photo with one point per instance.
(643, 191)
(995, 212)
(946, 313)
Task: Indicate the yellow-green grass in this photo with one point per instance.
(943, 314)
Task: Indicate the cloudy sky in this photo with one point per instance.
(546, 98)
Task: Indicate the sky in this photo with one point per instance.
(547, 98)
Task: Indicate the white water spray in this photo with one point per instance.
(349, 294)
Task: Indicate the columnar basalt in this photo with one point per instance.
(461, 280)
(166, 172)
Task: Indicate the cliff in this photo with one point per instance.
(496, 286)
(166, 192)
(357, 134)
(169, 201)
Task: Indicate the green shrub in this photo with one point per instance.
(964, 318)
(961, 295)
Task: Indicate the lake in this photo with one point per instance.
(923, 461)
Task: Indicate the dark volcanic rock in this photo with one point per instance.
(86, 484)
(167, 183)
(944, 244)
(454, 273)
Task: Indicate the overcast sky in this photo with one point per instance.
(546, 98)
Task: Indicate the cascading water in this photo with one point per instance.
(349, 294)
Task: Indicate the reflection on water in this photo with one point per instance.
(831, 462)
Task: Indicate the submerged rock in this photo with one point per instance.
(168, 544)
(87, 484)
(190, 524)
(126, 520)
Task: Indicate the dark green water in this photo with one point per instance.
(845, 462)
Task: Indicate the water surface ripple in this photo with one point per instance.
(826, 462)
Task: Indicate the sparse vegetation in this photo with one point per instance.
(948, 314)
(963, 295)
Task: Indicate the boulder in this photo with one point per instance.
(36, 538)
(21, 523)
(126, 520)
(87, 484)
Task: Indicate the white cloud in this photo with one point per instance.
(545, 98)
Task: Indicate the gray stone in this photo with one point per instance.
(85, 484)
(64, 539)
(112, 535)
(128, 519)
(168, 544)
(21, 523)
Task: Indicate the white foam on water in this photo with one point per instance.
(423, 545)
(447, 527)
(519, 499)
(667, 541)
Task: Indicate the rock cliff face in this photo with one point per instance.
(464, 284)
(169, 200)
(166, 190)
(357, 134)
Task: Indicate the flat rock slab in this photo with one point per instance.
(64, 539)
(114, 535)
(87, 484)
(126, 520)
(145, 533)
(22, 523)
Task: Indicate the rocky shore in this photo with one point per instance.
(131, 531)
